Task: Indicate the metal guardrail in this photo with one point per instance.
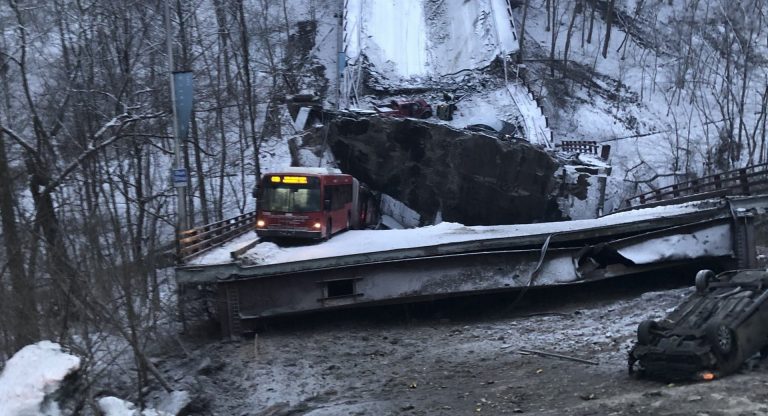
(581, 146)
(586, 146)
(743, 181)
(201, 239)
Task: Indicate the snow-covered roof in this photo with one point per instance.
(308, 171)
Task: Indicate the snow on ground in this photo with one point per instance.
(486, 107)
(406, 40)
(222, 254)
(369, 241)
(395, 36)
(456, 362)
(112, 406)
(30, 375)
(536, 125)
(172, 405)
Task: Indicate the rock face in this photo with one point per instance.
(447, 174)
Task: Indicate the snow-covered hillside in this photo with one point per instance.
(664, 96)
(670, 98)
(411, 40)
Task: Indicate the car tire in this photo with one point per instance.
(722, 338)
(726, 347)
(703, 278)
(644, 332)
(426, 114)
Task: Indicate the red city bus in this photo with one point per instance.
(312, 203)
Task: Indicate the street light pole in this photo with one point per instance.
(340, 59)
(181, 190)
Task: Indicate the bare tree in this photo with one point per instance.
(569, 33)
(608, 26)
(522, 32)
(23, 303)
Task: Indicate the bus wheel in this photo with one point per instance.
(328, 229)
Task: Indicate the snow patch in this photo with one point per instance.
(31, 375)
(172, 405)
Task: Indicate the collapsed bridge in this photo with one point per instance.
(373, 267)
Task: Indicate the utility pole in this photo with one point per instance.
(178, 168)
(340, 58)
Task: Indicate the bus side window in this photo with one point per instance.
(327, 199)
(334, 198)
(342, 196)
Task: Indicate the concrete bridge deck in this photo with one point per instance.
(369, 267)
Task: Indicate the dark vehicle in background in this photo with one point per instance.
(418, 108)
(482, 128)
(718, 327)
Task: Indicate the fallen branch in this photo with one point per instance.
(552, 354)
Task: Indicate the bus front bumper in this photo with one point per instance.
(288, 232)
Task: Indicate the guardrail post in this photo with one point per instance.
(744, 181)
(605, 152)
(695, 185)
(675, 191)
(657, 194)
(718, 182)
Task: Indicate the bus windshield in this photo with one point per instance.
(285, 198)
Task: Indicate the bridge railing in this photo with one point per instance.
(743, 181)
(201, 239)
(586, 146)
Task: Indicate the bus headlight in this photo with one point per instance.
(260, 223)
(317, 225)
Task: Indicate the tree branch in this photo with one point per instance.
(20, 140)
(120, 121)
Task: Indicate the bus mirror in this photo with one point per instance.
(327, 205)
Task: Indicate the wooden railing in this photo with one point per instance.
(749, 180)
(200, 239)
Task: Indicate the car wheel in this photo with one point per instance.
(703, 278)
(644, 332)
(427, 114)
(726, 347)
(722, 338)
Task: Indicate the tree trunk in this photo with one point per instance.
(200, 172)
(24, 314)
(250, 104)
(555, 31)
(591, 21)
(568, 37)
(521, 52)
(608, 27)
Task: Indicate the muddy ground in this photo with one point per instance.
(461, 357)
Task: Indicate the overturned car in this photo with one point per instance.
(711, 334)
